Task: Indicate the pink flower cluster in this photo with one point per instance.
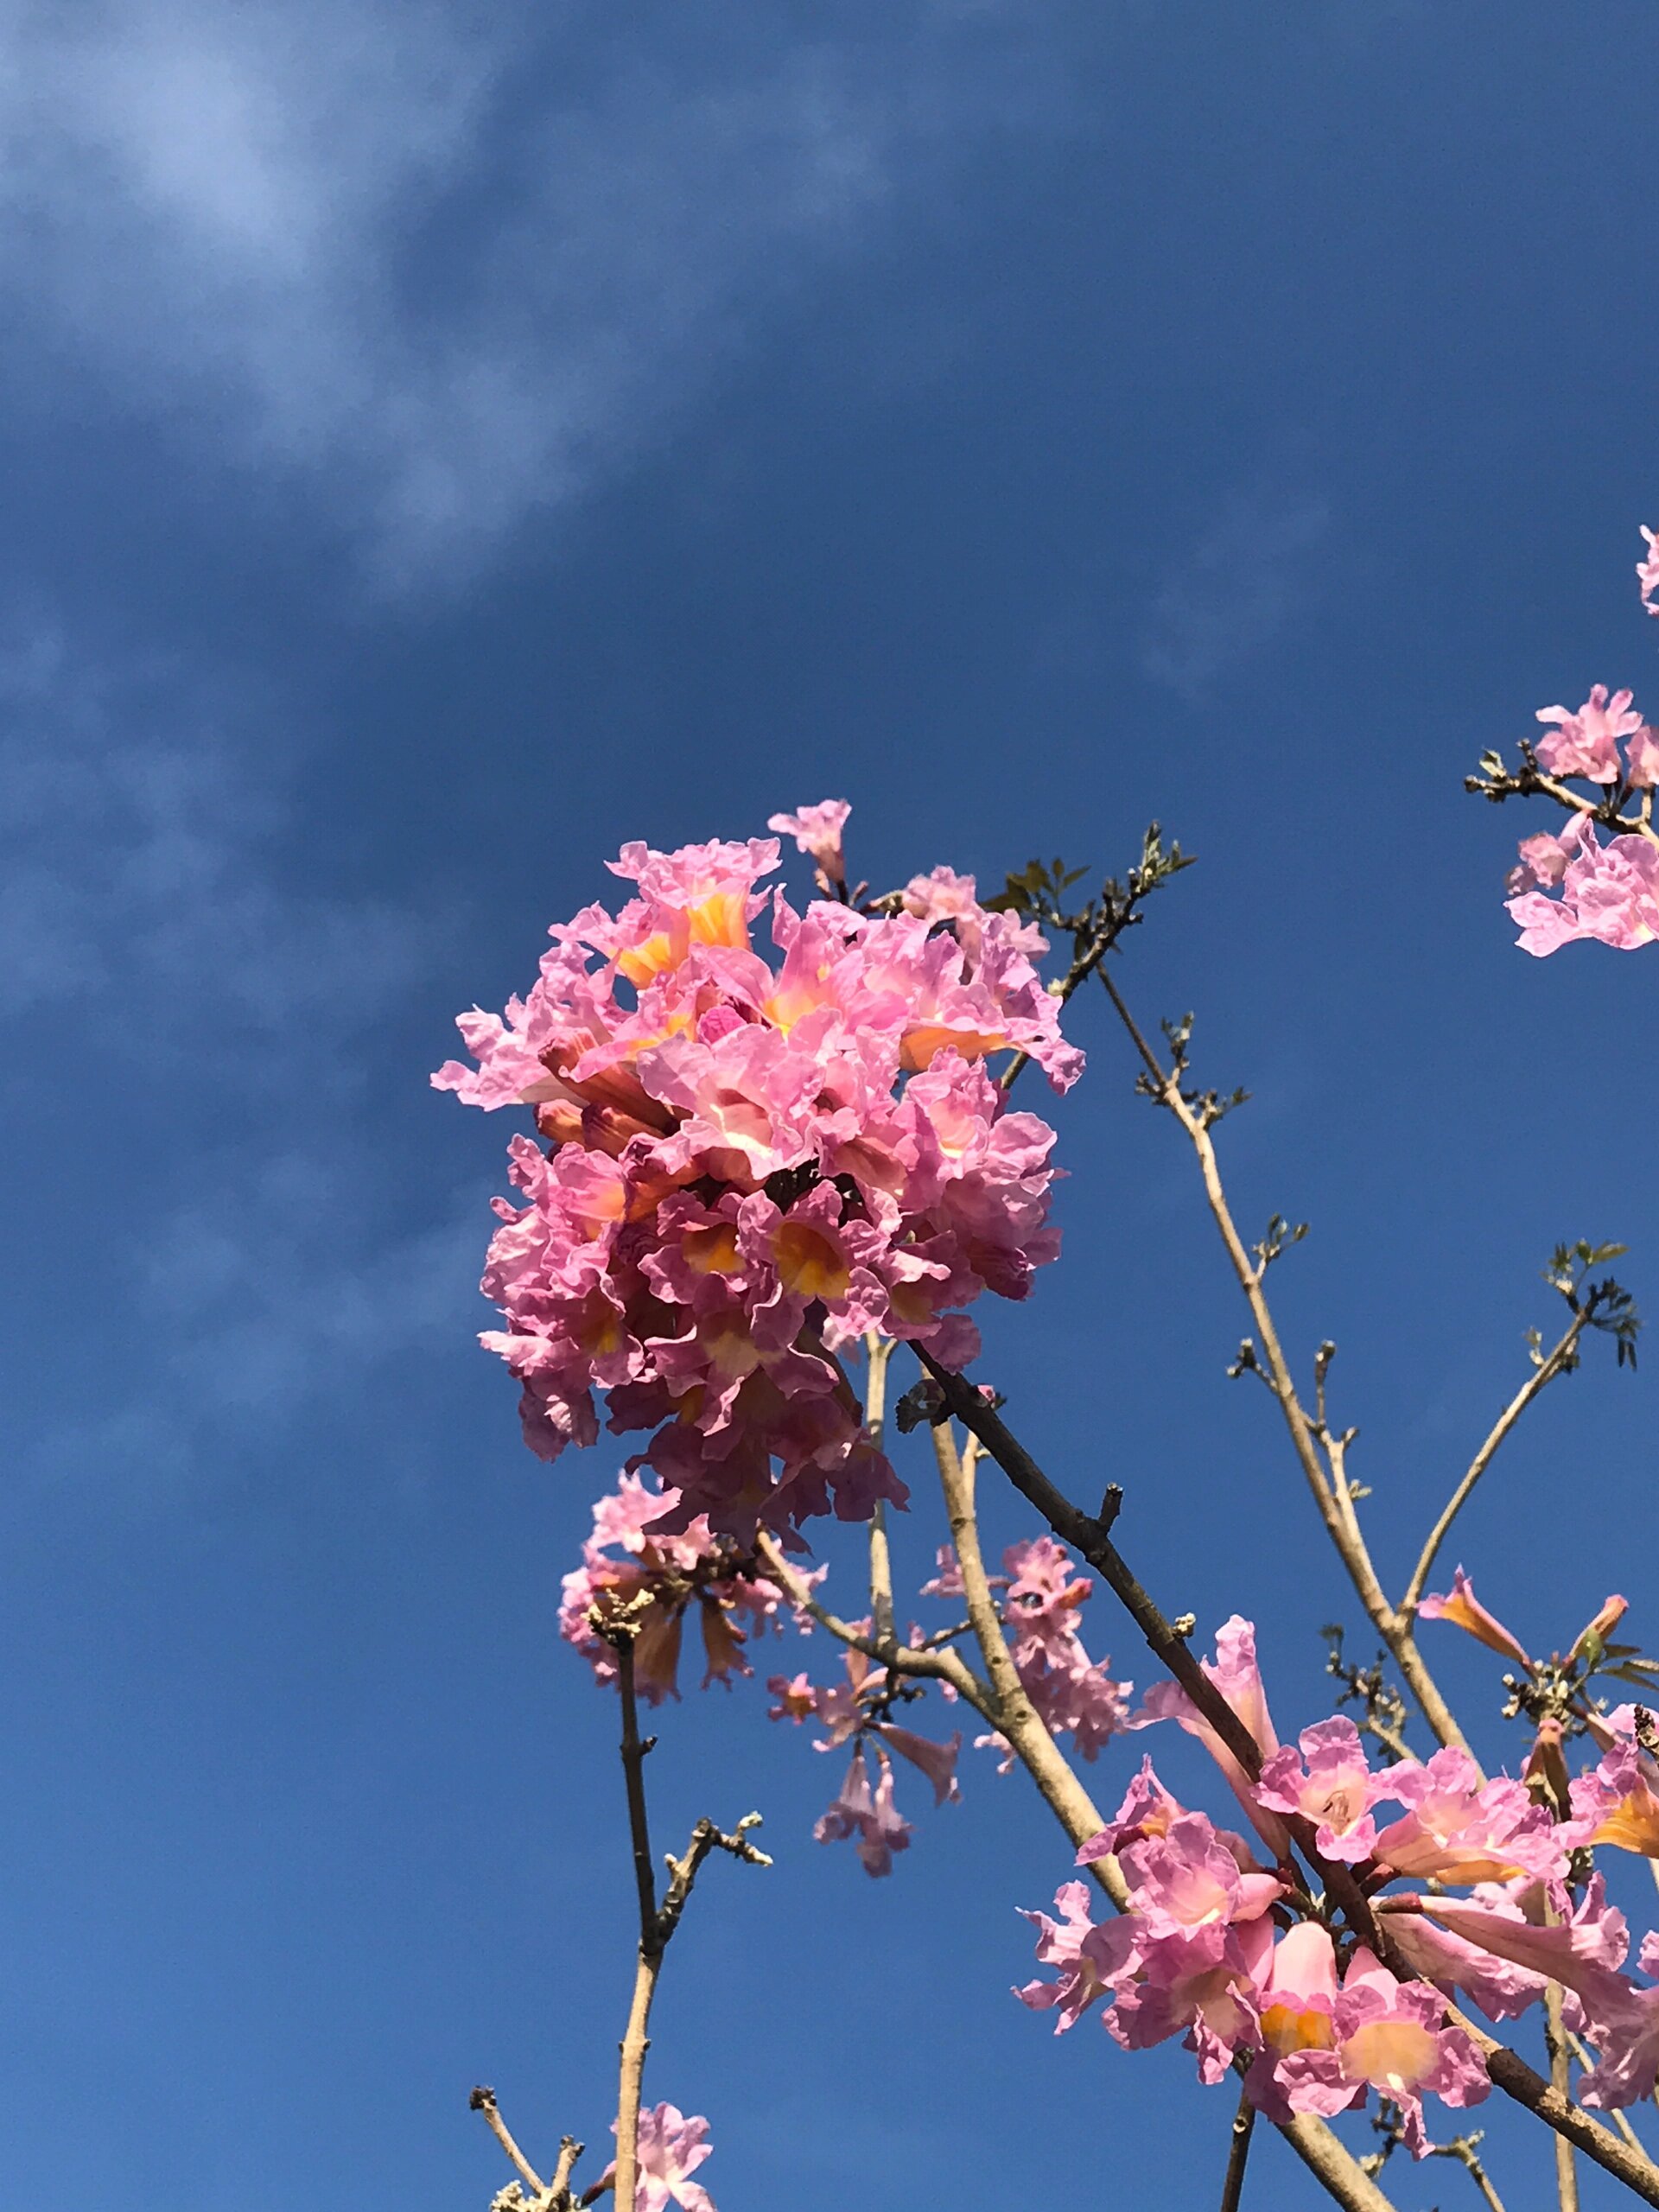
(1235, 1955)
(1609, 893)
(632, 1566)
(745, 1164)
(1075, 1694)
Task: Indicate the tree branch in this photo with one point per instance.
(1232, 2187)
(941, 1665)
(657, 1924)
(1329, 1487)
(1559, 1359)
(1322, 2152)
(879, 1350)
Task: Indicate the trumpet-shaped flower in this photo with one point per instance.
(1455, 1828)
(1647, 572)
(817, 831)
(1089, 1958)
(1296, 2006)
(1586, 743)
(1463, 1610)
(1390, 2036)
(1236, 1673)
(1329, 1784)
(1618, 1803)
(670, 2147)
(868, 1818)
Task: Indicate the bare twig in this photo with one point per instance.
(879, 1350)
(1326, 1480)
(1556, 1361)
(1238, 2154)
(938, 1665)
(1566, 2171)
(483, 2100)
(657, 1924)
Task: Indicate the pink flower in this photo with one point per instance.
(1541, 865)
(1584, 744)
(1202, 1987)
(1234, 1673)
(1187, 1878)
(1647, 572)
(1330, 1785)
(1642, 753)
(816, 830)
(872, 1820)
(1075, 1694)
(795, 1698)
(670, 2147)
(1463, 1610)
(1610, 892)
(1501, 1988)
(937, 1761)
(1296, 2006)
(1618, 1803)
(1457, 1829)
(1390, 2036)
(1071, 1943)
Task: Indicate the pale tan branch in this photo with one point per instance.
(483, 2100)
(941, 1665)
(879, 1352)
(1555, 1363)
(1327, 1484)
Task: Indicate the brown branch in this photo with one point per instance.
(657, 1924)
(1511, 2074)
(1238, 2151)
(1557, 1363)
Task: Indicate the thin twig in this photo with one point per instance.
(483, 2100)
(1566, 2171)
(1557, 1363)
(1238, 2153)
(634, 1748)
(657, 1924)
(1327, 1485)
(940, 1665)
(879, 1350)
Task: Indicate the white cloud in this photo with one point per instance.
(448, 265)
(1246, 576)
(160, 972)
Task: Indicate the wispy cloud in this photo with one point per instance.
(1234, 592)
(448, 265)
(164, 983)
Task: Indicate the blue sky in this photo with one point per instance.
(441, 442)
